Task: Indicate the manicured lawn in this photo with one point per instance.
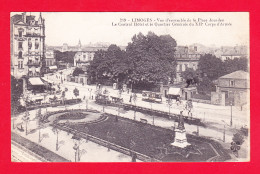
(149, 140)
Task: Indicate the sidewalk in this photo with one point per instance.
(39, 150)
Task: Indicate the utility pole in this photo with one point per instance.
(231, 121)
(224, 133)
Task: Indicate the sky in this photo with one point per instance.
(92, 27)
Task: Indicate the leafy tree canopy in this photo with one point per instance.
(77, 71)
(16, 92)
(67, 56)
(151, 57)
(211, 66)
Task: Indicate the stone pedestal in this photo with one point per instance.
(180, 139)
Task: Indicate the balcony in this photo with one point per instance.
(34, 63)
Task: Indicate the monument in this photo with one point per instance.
(180, 139)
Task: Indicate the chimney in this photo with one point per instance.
(24, 17)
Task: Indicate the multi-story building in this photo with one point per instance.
(50, 61)
(186, 58)
(27, 45)
(84, 57)
(235, 86)
(234, 52)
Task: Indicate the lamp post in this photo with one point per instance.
(151, 111)
(86, 103)
(89, 90)
(224, 131)
(26, 120)
(134, 99)
(13, 123)
(231, 121)
(76, 147)
(169, 103)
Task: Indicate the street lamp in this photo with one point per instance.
(231, 103)
(26, 120)
(134, 99)
(89, 90)
(152, 111)
(224, 131)
(13, 123)
(76, 147)
(169, 103)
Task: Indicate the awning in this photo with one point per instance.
(174, 91)
(35, 81)
(53, 67)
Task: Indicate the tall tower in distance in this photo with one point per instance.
(79, 46)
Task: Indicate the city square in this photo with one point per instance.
(151, 100)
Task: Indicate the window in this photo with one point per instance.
(20, 33)
(20, 64)
(84, 56)
(20, 54)
(36, 44)
(30, 73)
(20, 45)
(29, 43)
(180, 68)
(232, 83)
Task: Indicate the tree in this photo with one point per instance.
(232, 65)
(77, 71)
(191, 76)
(147, 60)
(205, 86)
(56, 131)
(67, 56)
(151, 58)
(76, 92)
(16, 92)
(211, 66)
(108, 65)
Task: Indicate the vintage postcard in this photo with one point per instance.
(130, 87)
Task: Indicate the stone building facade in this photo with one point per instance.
(186, 57)
(235, 86)
(27, 45)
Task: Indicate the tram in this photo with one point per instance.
(152, 96)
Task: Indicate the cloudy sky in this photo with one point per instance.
(69, 27)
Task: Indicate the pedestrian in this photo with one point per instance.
(177, 101)
(130, 99)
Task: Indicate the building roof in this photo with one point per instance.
(93, 49)
(35, 81)
(54, 67)
(236, 75)
(174, 91)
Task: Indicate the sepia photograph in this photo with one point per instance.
(130, 86)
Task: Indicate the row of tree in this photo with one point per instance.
(147, 60)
